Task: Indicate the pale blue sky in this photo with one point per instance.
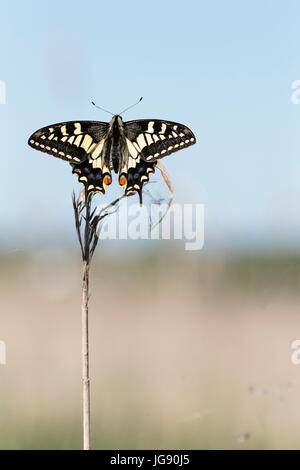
(225, 69)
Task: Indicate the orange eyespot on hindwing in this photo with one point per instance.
(123, 180)
(107, 180)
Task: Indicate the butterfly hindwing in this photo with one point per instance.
(134, 174)
(152, 139)
(95, 179)
(72, 141)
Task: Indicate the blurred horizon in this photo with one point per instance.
(186, 352)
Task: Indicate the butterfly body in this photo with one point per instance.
(95, 148)
(118, 143)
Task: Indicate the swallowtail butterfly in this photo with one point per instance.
(130, 148)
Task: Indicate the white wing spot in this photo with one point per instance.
(78, 140)
(141, 141)
(132, 150)
(150, 127)
(77, 129)
(163, 127)
(136, 146)
(97, 163)
(149, 139)
(92, 147)
(98, 149)
(87, 140)
(132, 162)
(105, 169)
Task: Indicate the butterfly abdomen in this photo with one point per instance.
(115, 155)
(116, 144)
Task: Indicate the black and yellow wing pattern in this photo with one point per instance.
(81, 144)
(95, 148)
(148, 140)
(155, 139)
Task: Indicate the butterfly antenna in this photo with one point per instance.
(99, 107)
(129, 107)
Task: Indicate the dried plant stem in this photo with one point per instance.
(85, 356)
(170, 186)
(85, 328)
(87, 227)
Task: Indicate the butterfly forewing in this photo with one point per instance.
(82, 144)
(153, 139)
(72, 141)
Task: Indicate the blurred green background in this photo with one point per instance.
(187, 351)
